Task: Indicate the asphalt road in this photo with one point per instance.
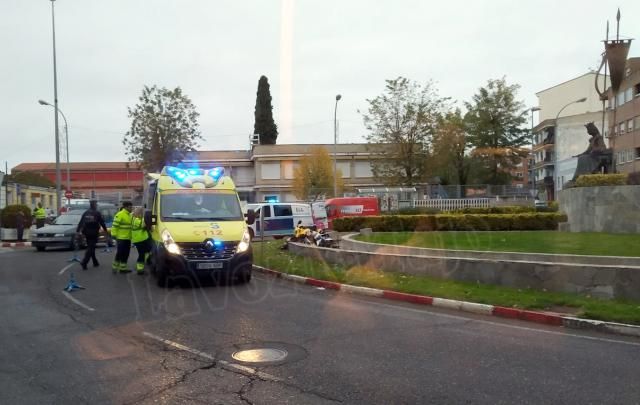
(123, 340)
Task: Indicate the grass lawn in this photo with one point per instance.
(599, 244)
(268, 254)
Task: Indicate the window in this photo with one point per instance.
(363, 169)
(628, 94)
(266, 209)
(620, 98)
(287, 168)
(271, 171)
(519, 175)
(345, 168)
(629, 125)
(637, 90)
(282, 211)
(621, 128)
(638, 153)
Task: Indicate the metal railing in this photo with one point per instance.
(450, 204)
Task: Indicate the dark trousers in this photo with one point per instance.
(90, 253)
(20, 232)
(39, 223)
(143, 248)
(123, 247)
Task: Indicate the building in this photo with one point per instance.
(266, 171)
(624, 121)
(560, 135)
(103, 180)
(263, 173)
(13, 193)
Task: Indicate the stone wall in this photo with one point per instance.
(612, 209)
(598, 280)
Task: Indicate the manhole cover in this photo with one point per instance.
(260, 355)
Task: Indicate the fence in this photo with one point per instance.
(450, 204)
(478, 191)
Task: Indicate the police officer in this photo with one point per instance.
(121, 231)
(41, 215)
(89, 226)
(140, 238)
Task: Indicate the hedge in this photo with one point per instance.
(593, 180)
(452, 222)
(9, 216)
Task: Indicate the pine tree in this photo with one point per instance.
(264, 124)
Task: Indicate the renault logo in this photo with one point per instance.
(209, 246)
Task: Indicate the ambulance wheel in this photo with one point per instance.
(243, 275)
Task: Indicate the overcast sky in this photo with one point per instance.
(309, 50)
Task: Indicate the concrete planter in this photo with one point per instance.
(612, 209)
(12, 234)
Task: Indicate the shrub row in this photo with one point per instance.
(593, 180)
(452, 222)
(8, 216)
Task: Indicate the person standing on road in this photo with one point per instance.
(121, 231)
(89, 226)
(140, 238)
(19, 225)
(40, 215)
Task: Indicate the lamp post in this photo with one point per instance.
(555, 144)
(66, 134)
(335, 147)
(55, 105)
(533, 142)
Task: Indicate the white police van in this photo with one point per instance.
(280, 219)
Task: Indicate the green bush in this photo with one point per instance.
(9, 216)
(593, 180)
(531, 221)
(417, 211)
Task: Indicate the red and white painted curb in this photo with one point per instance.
(547, 318)
(15, 244)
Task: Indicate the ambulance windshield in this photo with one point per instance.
(212, 206)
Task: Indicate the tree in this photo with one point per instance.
(403, 118)
(29, 178)
(450, 158)
(264, 124)
(313, 177)
(494, 123)
(164, 127)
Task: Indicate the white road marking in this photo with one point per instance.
(236, 367)
(75, 301)
(65, 268)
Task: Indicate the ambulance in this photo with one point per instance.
(197, 226)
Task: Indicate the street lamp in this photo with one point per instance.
(531, 172)
(66, 134)
(55, 106)
(555, 144)
(335, 147)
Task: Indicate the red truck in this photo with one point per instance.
(350, 207)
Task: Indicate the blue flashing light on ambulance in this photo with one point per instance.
(197, 225)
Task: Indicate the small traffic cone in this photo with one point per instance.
(72, 285)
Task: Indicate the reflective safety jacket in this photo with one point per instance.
(40, 213)
(138, 230)
(121, 228)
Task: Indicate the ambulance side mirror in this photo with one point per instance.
(150, 219)
(251, 217)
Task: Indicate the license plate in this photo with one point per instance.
(204, 266)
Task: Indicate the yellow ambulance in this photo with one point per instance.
(197, 226)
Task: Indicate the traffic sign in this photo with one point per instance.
(68, 194)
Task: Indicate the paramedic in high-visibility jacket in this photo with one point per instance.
(121, 232)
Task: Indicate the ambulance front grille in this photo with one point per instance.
(197, 251)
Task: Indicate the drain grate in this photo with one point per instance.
(260, 355)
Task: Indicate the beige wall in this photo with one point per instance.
(31, 196)
(553, 99)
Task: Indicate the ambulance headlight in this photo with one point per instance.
(169, 243)
(243, 246)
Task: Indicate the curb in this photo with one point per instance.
(15, 244)
(546, 318)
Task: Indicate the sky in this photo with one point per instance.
(217, 50)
